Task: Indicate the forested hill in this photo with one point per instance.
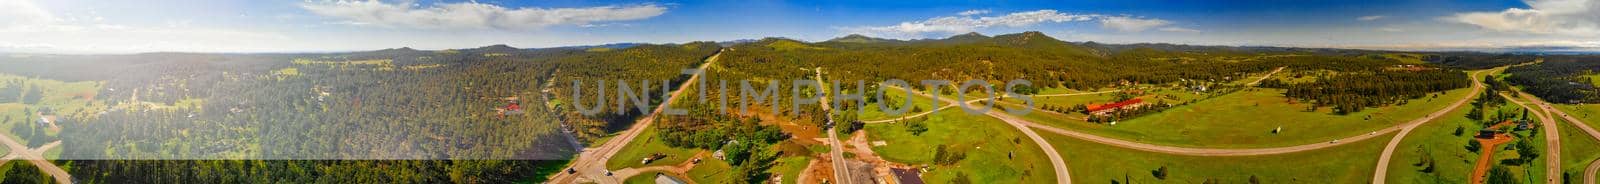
(407, 104)
(1560, 79)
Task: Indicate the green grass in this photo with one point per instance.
(1406, 58)
(1453, 162)
(1578, 149)
(1534, 171)
(710, 171)
(644, 145)
(1580, 145)
(985, 140)
(1100, 163)
(1588, 113)
(65, 98)
(1594, 79)
(1047, 91)
(790, 167)
(872, 112)
(1153, 94)
(1245, 119)
(785, 45)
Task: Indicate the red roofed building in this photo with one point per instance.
(1097, 109)
(514, 107)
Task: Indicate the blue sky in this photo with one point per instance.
(80, 26)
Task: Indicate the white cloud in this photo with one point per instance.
(473, 15)
(1370, 17)
(23, 13)
(1178, 29)
(1565, 17)
(1391, 29)
(1483, 45)
(973, 12)
(952, 24)
(25, 27)
(1131, 24)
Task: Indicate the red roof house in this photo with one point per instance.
(1097, 108)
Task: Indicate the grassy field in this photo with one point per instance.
(1406, 58)
(789, 168)
(1530, 172)
(64, 98)
(1578, 149)
(872, 111)
(1594, 79)
(1245, 119)
(1351, 163)
(710, 171)
(1454, 163)
(1437, 139)
(716, 171)
(644, 145)
(1589, 113)
(986, 142)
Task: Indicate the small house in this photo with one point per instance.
(1102, 108)
(907, 176)
(664, 179)
(1524, 125)
(1486, 134)
(44, 121)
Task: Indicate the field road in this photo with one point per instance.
(1258, 81)
(33, 155)
(1022, 125)
(669, 169)
(1381, 173)
(1594, 166)
(1552, 138)
(591, 164)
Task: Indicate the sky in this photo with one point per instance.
(265, 26)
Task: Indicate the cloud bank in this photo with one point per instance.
(473, 15)
(1563, 17)
(973, 12)
(1131, 24)
(966, 22)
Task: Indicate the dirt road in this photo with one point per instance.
(1258, 81)
(591, 164)
(1486, 156)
